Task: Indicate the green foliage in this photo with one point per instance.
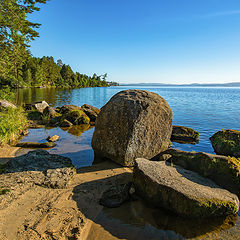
(7, 94)
(16, 32)
(4, 190)
(44, 71)
(12, 122)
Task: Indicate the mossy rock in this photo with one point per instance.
(182, 191)
(225, 171)
(77, 117)
(183, 134)
(226, 142)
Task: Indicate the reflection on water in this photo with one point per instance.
(74, 142)
(138, 221)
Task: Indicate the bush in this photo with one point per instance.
(12, 123)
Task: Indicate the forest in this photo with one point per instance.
(18, 68)
(45, 72)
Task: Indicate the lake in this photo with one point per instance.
(207, 110)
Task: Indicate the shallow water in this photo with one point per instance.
(206, 110)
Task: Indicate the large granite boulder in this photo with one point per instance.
(183, 134)
(225, 171)
(4, 104)
(182, 191)
(226, 142)
(41, 168)
(134, 123)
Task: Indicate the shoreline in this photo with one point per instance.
(74, 208)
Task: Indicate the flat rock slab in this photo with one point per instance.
(182, 191)
(41, 168)
(36, 145)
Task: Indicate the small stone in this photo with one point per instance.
(54, 138)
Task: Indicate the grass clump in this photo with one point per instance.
(4, 190)
(12, 123)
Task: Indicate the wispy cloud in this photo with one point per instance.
(220, 14)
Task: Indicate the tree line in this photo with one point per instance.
(38, 72)
(17, 67)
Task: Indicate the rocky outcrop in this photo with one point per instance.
(40, 106)
(54, 138)
(77, 117)
(42, 168)
(91, 112)
(183, 134)
(134, 123)
(226, 142)
(225, 171)
(181, 191)
(4, 104)
(36, 145)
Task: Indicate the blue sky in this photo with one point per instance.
(166, 41)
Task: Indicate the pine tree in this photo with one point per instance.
(16, 32)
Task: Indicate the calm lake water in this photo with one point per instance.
(206, 110)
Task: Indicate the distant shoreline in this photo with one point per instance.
(237, 84)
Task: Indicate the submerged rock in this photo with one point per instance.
(184, 135)
(226, 142)
(116, 196)
(225, 171)
(4, 104)
(36, 145)
(42, 168)
(181, 191)
(134, 123)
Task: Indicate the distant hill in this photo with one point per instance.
(233, 84)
